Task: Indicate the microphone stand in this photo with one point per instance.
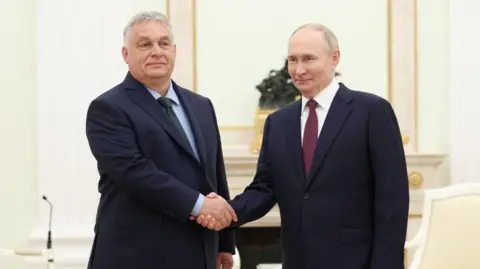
(36, 252)
(50, 259)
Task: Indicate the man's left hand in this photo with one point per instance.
(224, 260)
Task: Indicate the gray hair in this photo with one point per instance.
(329, 37)
(144, 17)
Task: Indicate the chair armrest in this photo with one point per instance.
(415, 242)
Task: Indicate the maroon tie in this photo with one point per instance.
(310, 135)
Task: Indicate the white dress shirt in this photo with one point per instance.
(324, 100)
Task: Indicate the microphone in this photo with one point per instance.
(49, 238)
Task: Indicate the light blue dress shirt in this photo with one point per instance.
(182, 117)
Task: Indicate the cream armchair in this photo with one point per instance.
(449, 234)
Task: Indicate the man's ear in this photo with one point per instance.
(336, 57)
(124, 54)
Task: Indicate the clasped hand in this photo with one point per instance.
(215, 213)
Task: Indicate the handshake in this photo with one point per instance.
(216, 213)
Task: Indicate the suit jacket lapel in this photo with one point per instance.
(193, 118)
(336, 117)
(293, 139)
(144, 99)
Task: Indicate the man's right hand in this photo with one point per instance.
(216, 213)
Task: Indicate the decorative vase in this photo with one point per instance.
(260, 117)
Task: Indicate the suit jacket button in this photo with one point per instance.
(306, 196)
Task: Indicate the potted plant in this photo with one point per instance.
(276, 90)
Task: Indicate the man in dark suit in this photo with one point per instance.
(335, 164)
(159, 153)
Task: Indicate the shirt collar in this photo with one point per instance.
(170, 94)
(325, 97)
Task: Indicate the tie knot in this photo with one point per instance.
(312, 104)
(165, 102)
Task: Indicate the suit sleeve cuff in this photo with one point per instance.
(198, 205)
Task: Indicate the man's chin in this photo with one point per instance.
(305, 90)
(157, 73)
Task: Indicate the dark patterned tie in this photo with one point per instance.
(310, 135)
(167, 104)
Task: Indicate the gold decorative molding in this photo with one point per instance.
(402, 63)
(167, 9)
(415, 180)
(405, 139)
(415, 73)
(389, 52)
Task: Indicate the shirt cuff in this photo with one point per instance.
(198, 205)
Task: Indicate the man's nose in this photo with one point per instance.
(157, 50)
(300, 69)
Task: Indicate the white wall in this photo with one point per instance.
(464, 92)
(18, 167)
(239, 42)
(433, 72)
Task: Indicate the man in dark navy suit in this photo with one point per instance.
(335, 164)
(159, 153)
